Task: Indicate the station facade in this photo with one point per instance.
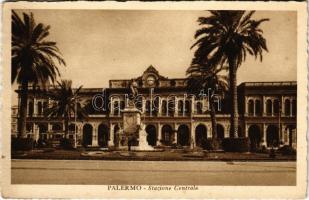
(267, 113)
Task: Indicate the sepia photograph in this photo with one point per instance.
(155, 100)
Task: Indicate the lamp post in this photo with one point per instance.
(75, 126)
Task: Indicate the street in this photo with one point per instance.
(104, 172)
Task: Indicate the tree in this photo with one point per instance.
(33, 59)
(200, 78)
(66, 103)
(225, 38)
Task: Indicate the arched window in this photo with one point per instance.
(180, 107)
(258, 110)
(171, 107)
(148, 107)
(199, 107)
(187, 107)
(30, 109)
(164, 107)
(276, 106)
(116, 108)
(58, 127)
(72, 128)
(122, 105)
(294, 107)
(139, 102)
(45, 106)
(155, 107)
(287, 107)
(40, 108)
(250, 107)
(269, 107)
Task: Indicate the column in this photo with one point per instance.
(111, 112)
(175, 133)
(264, 106)
(291, 100)
(246, 106)
(285, 133)
(272, 107)
(118, 107)
(254, 111)
(264, 127)
(111, 135)
(49, 130)
(192, 137)
(36, 132)
(192, 105)
(176, 107)
(281, 134)
(246, 130)
(209, 131)
(226, 130)
(35, 105)
(159, 134)
(79, 134)
(94, 135)
(160, 107)
(143, 105)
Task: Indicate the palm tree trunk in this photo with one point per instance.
(213, 118)
(66, 127)
(23, 110)
(233, 90)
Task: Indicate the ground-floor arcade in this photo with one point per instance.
(190, 133)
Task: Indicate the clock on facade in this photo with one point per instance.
(151, 80)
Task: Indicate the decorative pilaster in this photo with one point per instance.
(176, 107)
(95, 135)
(160, 107)
(246, 130)
(192, 105)
(264, 106)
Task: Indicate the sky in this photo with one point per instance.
(99, 45)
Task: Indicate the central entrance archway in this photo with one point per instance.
(103, 131)
(272, 137)
(87, 134)
(255, 137)
(200, 134)
(183, 135)
(151, 135)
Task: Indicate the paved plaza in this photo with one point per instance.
(152, 172)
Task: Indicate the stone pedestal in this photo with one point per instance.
(134, 129)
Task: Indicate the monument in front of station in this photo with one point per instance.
(133, 127)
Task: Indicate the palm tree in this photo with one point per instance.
(33, 59)
(66, 103)
(225, 38)
(201, 79)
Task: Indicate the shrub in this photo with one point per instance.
(287, 150)
(22, 144)
(66, 143)
(262, 149)
(174, 146)
(235, 144)
(211, 144)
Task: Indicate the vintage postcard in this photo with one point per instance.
(154, 100)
